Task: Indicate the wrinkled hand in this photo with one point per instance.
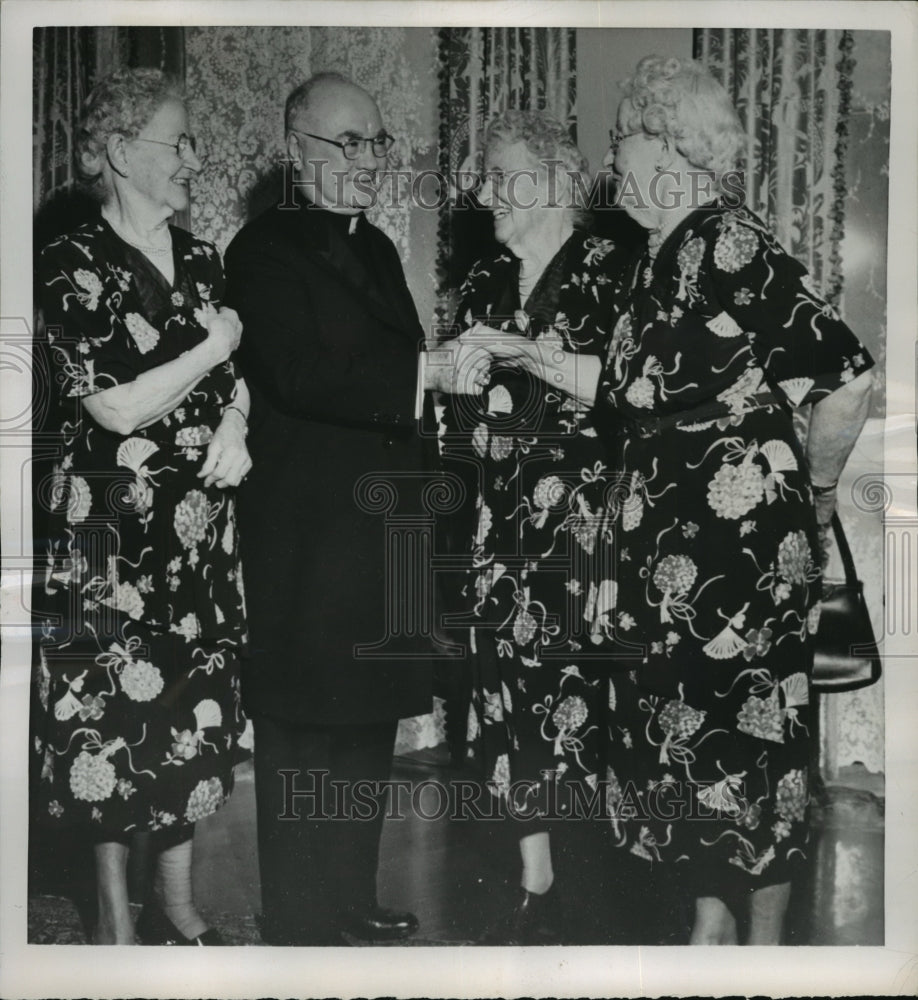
(228, 460)
(224, 330)
(458, 368)
(540, 356)
(497, 343)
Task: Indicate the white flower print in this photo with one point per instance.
(206, 798)
(484, 525)
(493, 707)
(92, 286)
(227, 541)
(501, 447)
(145, 336)
(735, 248)
(675, 575)
(188, 437)
(191, 518)
(141, 680)
(736, 489)
(762, 717)
(549, 492)
(791, 796)
(795, 560)
(500, 779)
(184, 744)
(189, 627)
(570, 714)
(92, 777)
(640, 393)
(126, 598)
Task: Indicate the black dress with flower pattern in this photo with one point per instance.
(538, 468)
(140, 723)
(716, 340)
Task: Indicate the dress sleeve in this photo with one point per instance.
(92, 347)
(804, 347)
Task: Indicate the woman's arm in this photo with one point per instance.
(835, 423)
(577, 375)
(153, 394)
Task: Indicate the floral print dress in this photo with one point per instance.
(717, 338)
(138, 719)
(538, 473)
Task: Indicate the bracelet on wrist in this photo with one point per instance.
(823, 491)
(245, 419)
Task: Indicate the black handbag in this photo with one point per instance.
(847, 657)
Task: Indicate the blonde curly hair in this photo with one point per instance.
(121, 103)
(680, 100)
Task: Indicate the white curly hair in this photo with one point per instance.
(679, 99)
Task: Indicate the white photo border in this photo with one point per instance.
(38, 970)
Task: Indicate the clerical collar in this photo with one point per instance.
(338, 222)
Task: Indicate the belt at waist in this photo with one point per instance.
(651, 426)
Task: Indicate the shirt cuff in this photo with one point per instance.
(422, 381)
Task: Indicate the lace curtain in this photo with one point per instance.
(792, 91)
(238, 79)
(817, 154)
(484, 71)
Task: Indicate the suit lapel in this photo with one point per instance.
(309, 231)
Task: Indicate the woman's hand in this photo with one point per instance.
(228, 460)
(224, 330)
(498, 343)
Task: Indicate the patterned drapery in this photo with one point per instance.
(484, 71)
(792, 91)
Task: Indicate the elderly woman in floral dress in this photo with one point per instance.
(719, 334)
(540, 691)
(140, 723)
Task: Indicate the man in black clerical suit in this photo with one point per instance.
(330, 352)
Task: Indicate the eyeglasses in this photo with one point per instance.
(351, 148)
(181, 146)
(616, 137)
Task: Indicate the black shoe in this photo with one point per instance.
(536, 919)
(154, 927)
(380, 924)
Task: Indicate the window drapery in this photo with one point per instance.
(792, 91)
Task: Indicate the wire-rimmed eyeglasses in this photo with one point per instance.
(381, 144)
(181, 145)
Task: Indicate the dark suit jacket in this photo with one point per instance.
(329, 351)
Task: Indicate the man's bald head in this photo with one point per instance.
(318, 87)
(322, 116)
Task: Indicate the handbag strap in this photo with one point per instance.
(844, 551)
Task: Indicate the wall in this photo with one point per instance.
(605, 57)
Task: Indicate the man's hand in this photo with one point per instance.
(457, 368)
